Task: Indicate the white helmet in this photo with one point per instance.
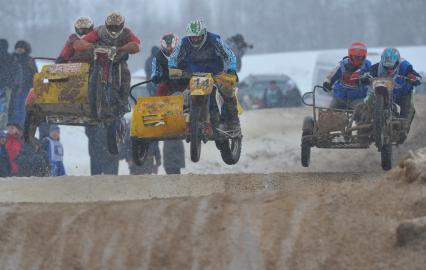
(83, 25)
(197, 33)
(114, 24)
(168, 44)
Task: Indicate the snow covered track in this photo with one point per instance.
(253, 221)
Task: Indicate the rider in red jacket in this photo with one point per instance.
(114, 34)
(82, 25)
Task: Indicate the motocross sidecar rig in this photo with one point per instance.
(73, 94)
(193, 115)
(335, 128)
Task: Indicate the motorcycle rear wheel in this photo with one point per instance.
(305, 153)
(113, 137)
(140, 149)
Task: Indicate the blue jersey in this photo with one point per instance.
(213, 57)
(402, 87)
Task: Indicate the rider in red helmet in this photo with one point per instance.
(344, 80)
(357, 53)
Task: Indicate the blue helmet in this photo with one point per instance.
(390, 59)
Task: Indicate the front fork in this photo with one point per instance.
(204, 118)
(388, 117)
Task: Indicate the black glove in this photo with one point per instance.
(327, 86)
(156, 79)
(60, 60)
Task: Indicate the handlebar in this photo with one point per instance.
(110, 51)
(370, 77)
(186, 75)
(313, 95)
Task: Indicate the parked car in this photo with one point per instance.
(268, 91)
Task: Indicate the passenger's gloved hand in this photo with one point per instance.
(413, 79)
(365, 80)
(175, 72)
(327, 86)
(156, 80)
(60, 60)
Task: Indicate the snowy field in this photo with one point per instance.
(268, 146)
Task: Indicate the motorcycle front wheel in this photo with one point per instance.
(386, 155)
(115, 137)
(378, 121)
(230, 150)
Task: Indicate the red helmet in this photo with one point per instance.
(357, 53)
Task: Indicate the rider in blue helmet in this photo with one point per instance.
(406, 78)
(392, 65)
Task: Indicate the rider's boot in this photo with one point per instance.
(230, 120)
(124, 90)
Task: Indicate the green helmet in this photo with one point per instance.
(197, 33)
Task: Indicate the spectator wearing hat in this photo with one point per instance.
(55, 151)
(17, 104)
(13, 146)
(10, 79)
(4, 161)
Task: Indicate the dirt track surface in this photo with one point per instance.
(341, 213)
(276, 221)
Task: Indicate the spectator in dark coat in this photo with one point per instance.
(28, 67)
(33, 160)
(4, 161)
(101, 161)
(173, 156)
(273, 96)
(10, 78)
(239, 46)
